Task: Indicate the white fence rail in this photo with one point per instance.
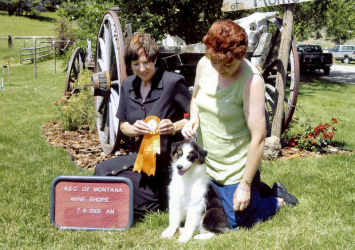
(41, 46)
(30, 54)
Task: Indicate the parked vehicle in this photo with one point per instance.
(311, 57)
(344, 53)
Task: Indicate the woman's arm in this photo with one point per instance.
(190, 128)
(254, 104)
(167, 127)
(138, 128)
(254, 110)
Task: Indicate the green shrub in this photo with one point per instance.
(65, 30)
(86, 19)
(78, 111)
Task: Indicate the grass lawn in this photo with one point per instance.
(43, 25)
(324, 219)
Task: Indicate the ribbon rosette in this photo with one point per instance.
(150, 146)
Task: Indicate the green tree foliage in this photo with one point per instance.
(336, 16)
(82, 17)
(27, 7)
(341, 20)
(188, 19)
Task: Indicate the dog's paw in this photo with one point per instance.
(168, 232)
(204, 236)
(184, 238)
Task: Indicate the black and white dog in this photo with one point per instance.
(190, 195)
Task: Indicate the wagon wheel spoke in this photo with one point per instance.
(81, 63)
(108, 45)
(109, 58)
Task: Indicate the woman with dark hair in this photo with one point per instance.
(227, 114)
(150, 91)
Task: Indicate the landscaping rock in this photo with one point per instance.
(272, 148)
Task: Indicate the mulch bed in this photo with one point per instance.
(85, 150)
(83, 147)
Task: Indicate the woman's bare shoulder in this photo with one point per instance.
(203, 62)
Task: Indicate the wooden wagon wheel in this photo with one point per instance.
(291, 88)
(109, 61)
(75, 66)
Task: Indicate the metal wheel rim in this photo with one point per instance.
(109, 57)
(75, 66)
(294, 85)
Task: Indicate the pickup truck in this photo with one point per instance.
(311, 57)
(343, 53)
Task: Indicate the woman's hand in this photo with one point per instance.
(166, 127)
(190, 129)
(241, 196)
(141, 128)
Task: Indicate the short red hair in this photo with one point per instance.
(225, 41)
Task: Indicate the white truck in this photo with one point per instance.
(343, 53)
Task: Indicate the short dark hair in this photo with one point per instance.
(138, 41)
(225, 41)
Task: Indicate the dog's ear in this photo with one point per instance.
(174, 147)
(202, 154)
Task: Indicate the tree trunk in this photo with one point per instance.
(284, 53)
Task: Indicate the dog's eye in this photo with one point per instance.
(179, 153)
(192, 156)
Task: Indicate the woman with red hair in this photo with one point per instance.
(227, 114)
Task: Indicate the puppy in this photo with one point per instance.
(190, 195)
(187, 189)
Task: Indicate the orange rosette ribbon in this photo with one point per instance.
(150, 147)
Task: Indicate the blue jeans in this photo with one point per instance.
(259, 208)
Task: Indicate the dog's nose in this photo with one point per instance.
(179, 167)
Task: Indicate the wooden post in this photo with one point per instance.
(284, 52)
(9, 41)
(55, 56)
(8, 71)
(34, 58)
(2, 79)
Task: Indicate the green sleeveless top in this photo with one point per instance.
(223, 129)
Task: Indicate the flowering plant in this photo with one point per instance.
(78, 112)
(314, 139)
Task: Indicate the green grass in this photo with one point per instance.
(43, 25)
(319, 101)
(324, 219)
(19, 26)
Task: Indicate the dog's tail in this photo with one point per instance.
(215, 221)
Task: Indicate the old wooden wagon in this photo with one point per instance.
(109, 69)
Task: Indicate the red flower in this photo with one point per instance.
(318, 129)
(292, 142)
(334, 120)
(325, 135)
(310, 135)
